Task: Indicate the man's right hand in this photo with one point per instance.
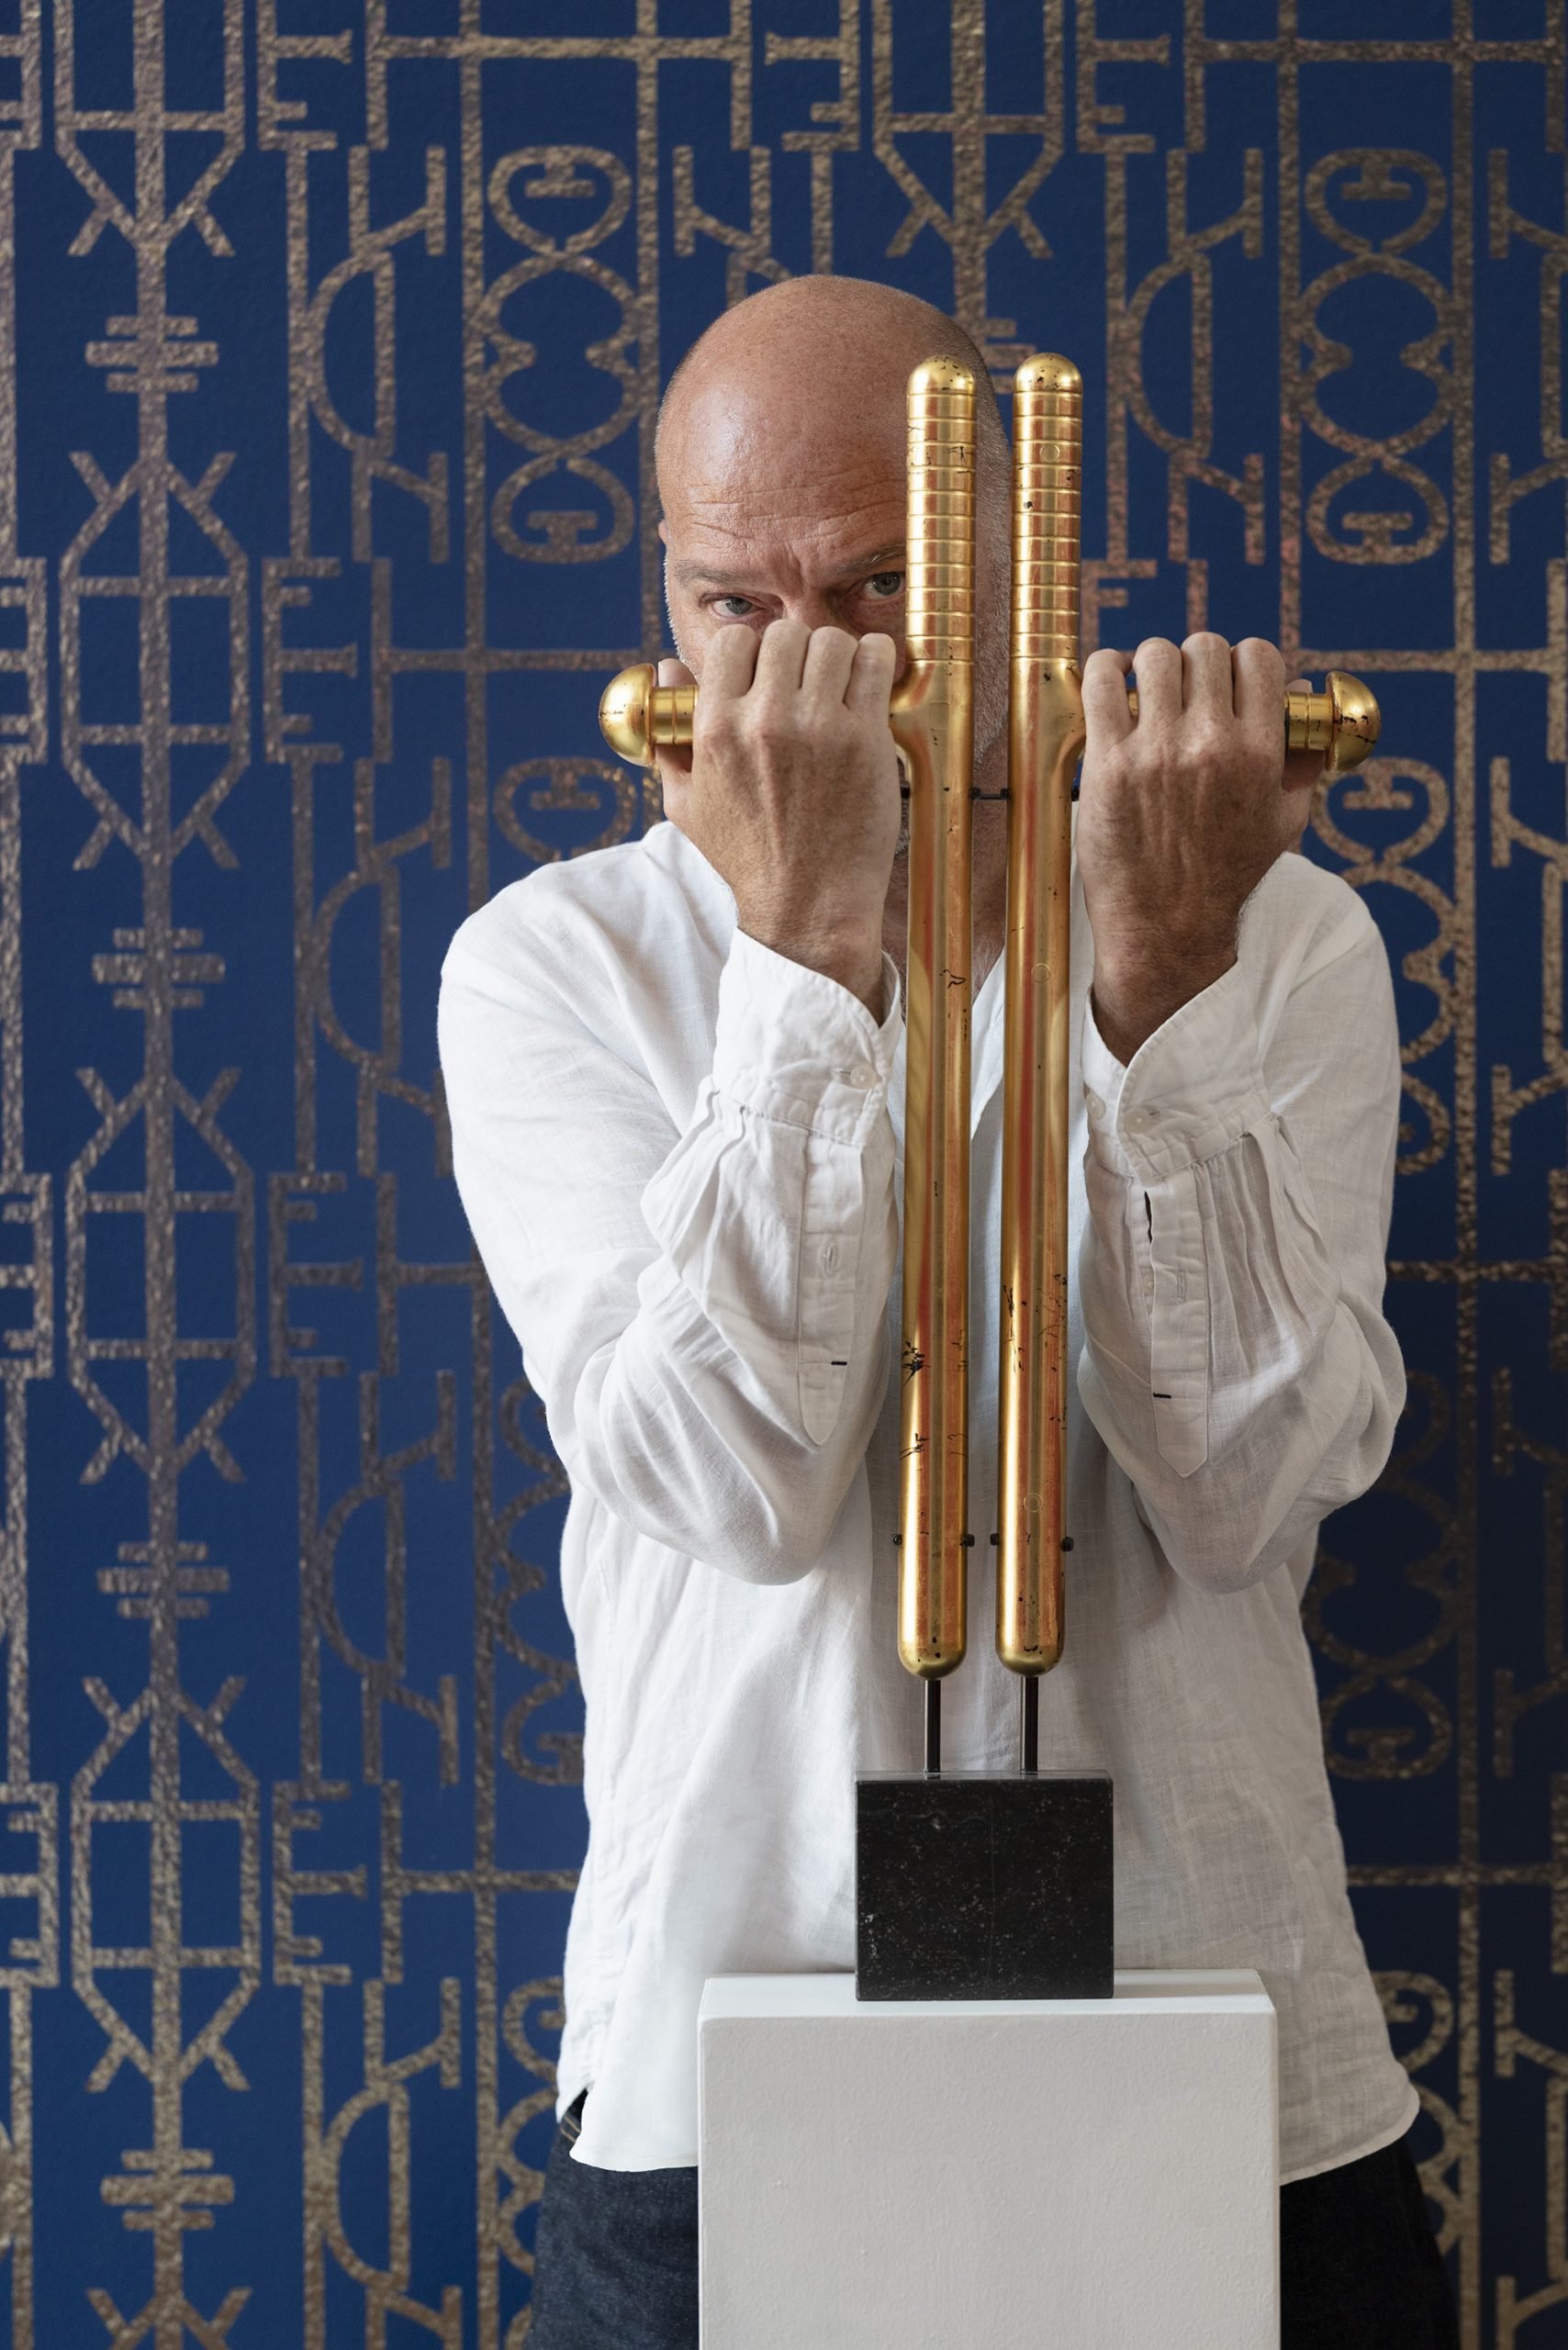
(790, 791)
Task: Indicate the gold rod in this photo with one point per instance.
(1044, 738)
(932, 720)
(637, 716)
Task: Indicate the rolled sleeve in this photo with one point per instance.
(799, 1051)
(1237, 1361)
(1190, 1093)
(793, 1045)
(699, 1287)
(1193, 1090)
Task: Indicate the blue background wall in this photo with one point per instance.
(331, 337)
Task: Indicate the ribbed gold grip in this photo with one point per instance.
(1044, 736)
(1047, 442)
(940, 584)
(1309, 720)
(934, 725)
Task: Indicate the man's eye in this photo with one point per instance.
(733, 607)
(883, 584)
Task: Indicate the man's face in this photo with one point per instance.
(752, 535)
(796, 510)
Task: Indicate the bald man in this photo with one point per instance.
(674, 1074)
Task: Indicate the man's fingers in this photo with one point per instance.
(675, 673)
(1106, 712)
(1206, 675)
(781, 657)
(1157, 666)
(728, 665)
(871, 673)
(1258, 670)
(829, 657)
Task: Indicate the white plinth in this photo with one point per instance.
(989, 2175)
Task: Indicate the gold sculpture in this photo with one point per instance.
(932, 719)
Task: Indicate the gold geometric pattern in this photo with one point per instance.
(331, 335)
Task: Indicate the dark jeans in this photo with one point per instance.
(616, 2267)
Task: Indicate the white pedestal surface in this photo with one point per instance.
(989, 2175)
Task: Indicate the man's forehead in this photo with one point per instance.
(757, 470)
(767, 440)
(836, 389)
(736, 556)
(840, 502)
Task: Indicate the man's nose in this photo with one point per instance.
(814, 610)
(811, 610)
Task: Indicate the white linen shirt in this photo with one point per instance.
(680, 1156)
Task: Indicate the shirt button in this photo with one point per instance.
(860, 1075)
(1095, 1103)
(1138, 1121)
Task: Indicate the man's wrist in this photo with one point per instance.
(1134, 995)
(852, 959)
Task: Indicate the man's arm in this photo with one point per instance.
(1181, 815)
(701, 1311)
(1236, 1360)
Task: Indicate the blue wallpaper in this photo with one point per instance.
(332, 333)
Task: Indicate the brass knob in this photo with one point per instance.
(638, 716)
(1353, 724)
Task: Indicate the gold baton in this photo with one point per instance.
(933, 722)
(637, 716)
(1044, 739)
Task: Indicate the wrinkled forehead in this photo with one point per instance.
(782, 451)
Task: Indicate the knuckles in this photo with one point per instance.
(762, 727)
(832, 635)
(1207, 743)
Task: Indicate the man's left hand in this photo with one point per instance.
(1181, 812)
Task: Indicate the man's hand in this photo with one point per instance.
(790, 791)
(1181, 812)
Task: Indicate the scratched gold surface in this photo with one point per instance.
(332, 333)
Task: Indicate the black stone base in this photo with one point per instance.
(983, 1884)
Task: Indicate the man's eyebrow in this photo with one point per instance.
(880, 559)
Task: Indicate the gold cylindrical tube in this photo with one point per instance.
(638, 716)
(1044, 739)
(933, 723)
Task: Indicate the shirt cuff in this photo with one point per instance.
(795, 1045)
(1190, 1091)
